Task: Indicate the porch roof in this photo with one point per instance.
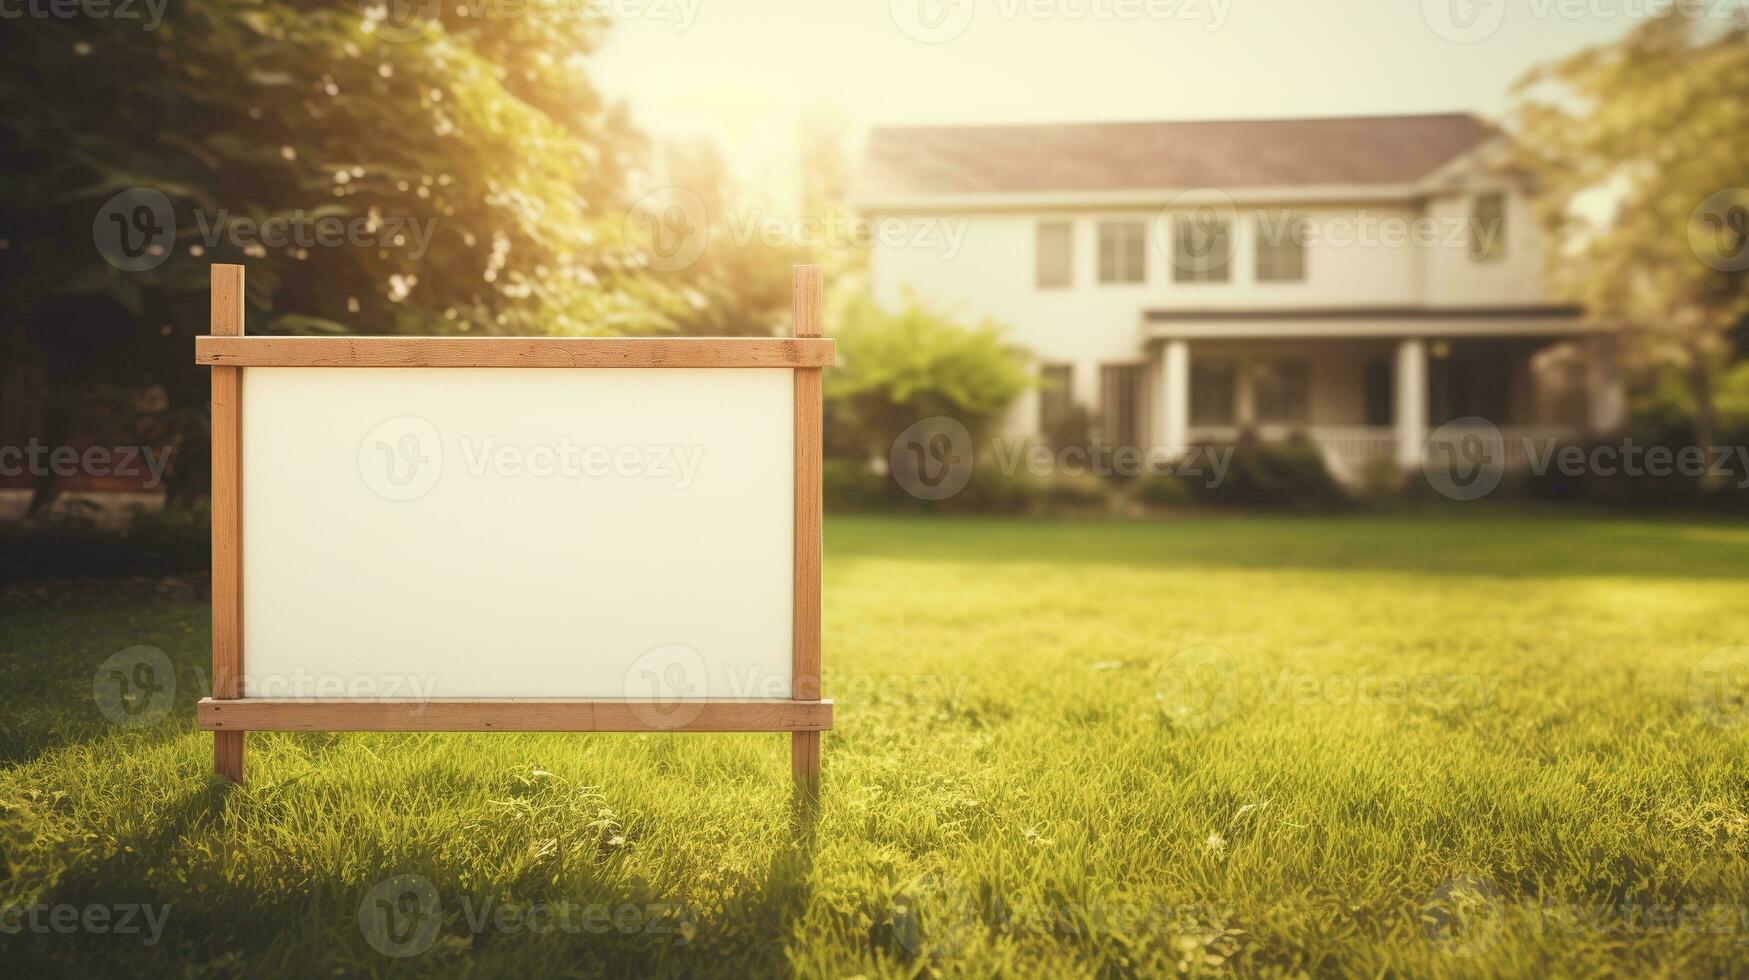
(1370, 321)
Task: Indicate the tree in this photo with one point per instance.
(1638, 149)
(475, 171)
(729, 254)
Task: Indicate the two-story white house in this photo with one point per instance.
(1360, 280)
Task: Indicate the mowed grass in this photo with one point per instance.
(1233, 746)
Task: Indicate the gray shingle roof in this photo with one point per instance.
(937, 160)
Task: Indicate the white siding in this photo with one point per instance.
(1455, 279)
(1349, 263)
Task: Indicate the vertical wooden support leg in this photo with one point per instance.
(805, 650)
(227, 517)
(804, 761)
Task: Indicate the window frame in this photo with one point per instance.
(1061, 396)
(1259, 368)
(1043, 277)
(1200, 383)
(1111, 397)
(1201, 271)
(1123, 252)
(1496, 250)
(1272, 257)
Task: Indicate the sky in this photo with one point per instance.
(745, 71)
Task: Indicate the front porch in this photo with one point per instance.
(1374, 403)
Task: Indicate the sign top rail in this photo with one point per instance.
(525, 352)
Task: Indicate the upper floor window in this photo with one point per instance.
(1056, 254)
(1488, 227)
(1122, 251)
(1281, 247)
(1202, 248)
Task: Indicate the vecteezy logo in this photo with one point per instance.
(1465, 459)
(1465, 917)
(399, 21)
(402, 458)
(135, 686)
(932, 21)
(932, 459)
(664, 686)
(400, 917)
(1198, 687)
(934, 916)
(1718, 231)
(670, 227)
(135, 230)
(1464, 21)
(1718, 687)
(1195, 230)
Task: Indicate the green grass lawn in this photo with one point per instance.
(1357, 746)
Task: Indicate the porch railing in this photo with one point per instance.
(1351, 450)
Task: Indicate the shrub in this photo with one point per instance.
(70, 545)
(1287, 475)
(1671, 490)
(851, 486)
(895, 368)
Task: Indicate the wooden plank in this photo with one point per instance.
(806, 302)
(520, 352)
(227, 517)
(510, 715)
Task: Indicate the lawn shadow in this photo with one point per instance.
(140, 916)
(774, 905)
(60, 648)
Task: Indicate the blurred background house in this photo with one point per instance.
(1538, 219)
(1360, 280)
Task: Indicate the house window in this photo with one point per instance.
(1202, 247)
(1281, 390)
(1281, 247)
(1056, 254)
(1055, 397)
(1122, 252)
(1214, 386)
(1380, 389)
(1123, 403)
(1488, 227)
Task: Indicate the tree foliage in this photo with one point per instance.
(736, 281)
(484, 129)
(1640, 150)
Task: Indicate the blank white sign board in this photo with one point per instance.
(517, 532)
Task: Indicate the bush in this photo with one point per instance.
(1287, 475)
(1162, 491)
(156, 542)
(896, 368)
(851, 486)
(1644, 490)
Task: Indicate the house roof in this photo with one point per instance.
(931, 161)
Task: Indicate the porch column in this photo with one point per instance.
(1411, 414)
(1175, 397)
(1604, 387)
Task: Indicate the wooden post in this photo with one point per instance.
(805, 640)
(227, 517)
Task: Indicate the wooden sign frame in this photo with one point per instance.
(228, 714)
